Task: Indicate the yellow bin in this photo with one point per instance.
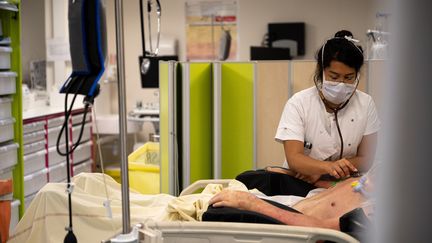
(144, 170)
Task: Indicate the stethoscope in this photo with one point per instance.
(341, 106)
(145, 64)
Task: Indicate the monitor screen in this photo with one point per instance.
(151, 78)
(288, 31)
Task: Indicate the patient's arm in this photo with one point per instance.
(247, 201)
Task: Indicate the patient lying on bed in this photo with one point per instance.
(327, 209)
(47, 215)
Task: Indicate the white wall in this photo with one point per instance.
(322, 18)
(32, 34)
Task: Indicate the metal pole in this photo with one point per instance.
(122, 115)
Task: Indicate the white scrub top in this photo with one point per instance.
(305, 118)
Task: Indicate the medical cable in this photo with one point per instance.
(145, 63)
(107, 202)
(68, 112)
(159, 14)
(70, 236)
(142, 27)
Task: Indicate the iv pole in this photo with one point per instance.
(122, 115)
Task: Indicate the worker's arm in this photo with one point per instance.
(308, 166)
(365, 152)
(246, 201)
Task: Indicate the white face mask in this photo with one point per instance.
(337, 92)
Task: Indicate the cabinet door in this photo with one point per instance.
(11, 28)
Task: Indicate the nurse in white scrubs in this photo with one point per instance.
(331, 128)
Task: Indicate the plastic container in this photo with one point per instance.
(14, 215)
(82, 152)
(144, 171)
(77, 119)
(5, 57)
(33, 127)
(86, 133)
(57, 173)
(33, 137)
(114, 172)
(34, 162)
(35, 181)
(6, 174)
(5, 107)
(8, 155)
(55, 158)
(85, 166)
(147, 154)
(34, 147)
(54, 122)
(6, 129)
(7, 83)
(53, 132)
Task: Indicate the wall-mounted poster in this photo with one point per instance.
(211, 30)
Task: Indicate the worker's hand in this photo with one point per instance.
(340, 168)
(234, 199)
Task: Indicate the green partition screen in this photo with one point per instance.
(165, 74)
(237, 118)
(197, 122)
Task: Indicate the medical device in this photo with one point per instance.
(358, 186)
(145, 62)
(87, 28)
(149, 60)
(341, 106)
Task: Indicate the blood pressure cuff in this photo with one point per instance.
(273, 183)
(228, 214)
(356, 224)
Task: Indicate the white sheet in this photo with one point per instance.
(47, 216)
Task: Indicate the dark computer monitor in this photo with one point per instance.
(288, 31)
(267, 53)
(151, 78)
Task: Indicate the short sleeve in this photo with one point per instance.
(291, 126)
(373, 122)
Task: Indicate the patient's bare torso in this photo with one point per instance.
(333, 202)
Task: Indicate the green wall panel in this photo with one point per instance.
(237, 118)
(164, 115)
(200, 85)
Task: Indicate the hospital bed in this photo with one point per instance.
(46, 217)
(204, 232)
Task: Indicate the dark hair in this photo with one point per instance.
(339, 49)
